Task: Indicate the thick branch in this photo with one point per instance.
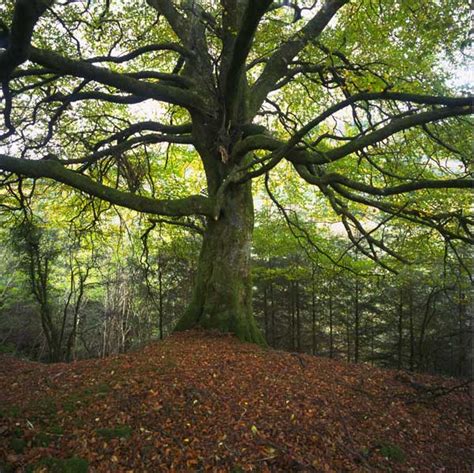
(139, 51)
(146, 126)
(124, 146)
(173, 17)
(243, 43)
(193, 205)
(278, 63)
(328, 179)
(412, 215)
(25, 16)
(121, 82)
(395, 126)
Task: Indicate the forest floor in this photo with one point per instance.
(207, 402)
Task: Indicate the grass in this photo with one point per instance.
(59, 465)
(121, 431)
(392, 452)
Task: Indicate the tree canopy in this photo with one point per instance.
(349, 98)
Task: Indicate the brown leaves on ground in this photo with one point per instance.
(202, 402)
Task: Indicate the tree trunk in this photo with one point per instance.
(222, 295)
(400, 331)
(265, 310)
(313, 310)
(412, 330)
(331, 325)
(160, 300)
(298, 316)
(272, 314)
(357, 322)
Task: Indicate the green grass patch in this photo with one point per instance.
(103, 388)
(169, 363)
(56, 430)
(17, 445)
(6, 467)
(59, 465)
(10, 411)
(77, 400)
(42, 439)
(42, 408)
(121, 431)
(392, 452)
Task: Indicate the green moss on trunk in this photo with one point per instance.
(222, 296)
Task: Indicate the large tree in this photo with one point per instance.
(351, 95)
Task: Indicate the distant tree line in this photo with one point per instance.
(404, 322)
(68, 293)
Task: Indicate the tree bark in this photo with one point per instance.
(222, 296)
(357, 322)
(331, 324)
(400, 331)
(313, 310)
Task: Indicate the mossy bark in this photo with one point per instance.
(222, 296)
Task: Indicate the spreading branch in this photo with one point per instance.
(51, 169)
(277, 64)
(122, 82)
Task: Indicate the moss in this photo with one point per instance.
(59, 465)
(56, 430)
(103, 388)
(42, 439)
(121, 431)
(44, 407)
(10, 411)
(17, 445)
(222, 296)
(77, 400)
(6, 467)
(392, 452)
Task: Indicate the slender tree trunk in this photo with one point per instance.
(412, 330)
(272, 313)
(372, 340)
(430, 309)
(461, 327)
(348, 343)
(298, 316)
(313, 311)
(400, 331)
(331, 326)
(291, 288)
(265, 310)
(357, 322)
(222, 295)
(160, 300)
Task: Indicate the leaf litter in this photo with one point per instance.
(202, 401)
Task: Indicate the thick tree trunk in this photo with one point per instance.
(222, 296)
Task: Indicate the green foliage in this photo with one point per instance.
(7, 348)
(121, 431)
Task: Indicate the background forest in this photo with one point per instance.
(82, 279)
